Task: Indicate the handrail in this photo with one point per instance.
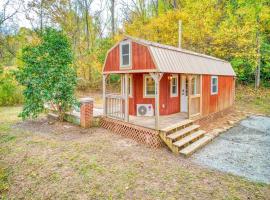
(115, 96)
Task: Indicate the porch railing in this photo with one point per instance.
(115, 106)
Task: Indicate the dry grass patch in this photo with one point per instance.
(62, 161)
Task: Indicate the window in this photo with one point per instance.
(174, 86)
(195, 85)
(214, 84)
(149, 86)
(125, 54)
(129, 85)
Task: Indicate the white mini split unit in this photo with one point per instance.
(145, 110)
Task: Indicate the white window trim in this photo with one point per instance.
(144, 87)
(212, 77)
(171, 94)
(123, 85)
(121, 59)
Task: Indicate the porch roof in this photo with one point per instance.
(169, 59)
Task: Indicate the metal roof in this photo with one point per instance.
(177, 60)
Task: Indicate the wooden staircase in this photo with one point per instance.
(184, 137)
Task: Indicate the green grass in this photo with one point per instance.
(249, 99)
(4, 181)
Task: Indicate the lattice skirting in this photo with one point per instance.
(142, 135)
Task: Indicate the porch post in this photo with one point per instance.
(201, 88)
(104, 76)
(157, 104)
(156, 77)
(126, 99)
(189, 93)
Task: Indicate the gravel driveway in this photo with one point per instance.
(243, 150)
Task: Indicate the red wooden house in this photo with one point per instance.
(165, 85)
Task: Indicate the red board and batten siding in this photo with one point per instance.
(168, 104)
(141, 59)
(217, 102)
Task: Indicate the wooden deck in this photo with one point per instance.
(165, 121)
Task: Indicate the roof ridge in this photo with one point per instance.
(165, 46)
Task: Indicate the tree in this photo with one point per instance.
(47, 74)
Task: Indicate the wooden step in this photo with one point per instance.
(178, 125)
(187, 151)
(189, 138)
(183, 132)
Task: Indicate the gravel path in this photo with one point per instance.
(243, 150)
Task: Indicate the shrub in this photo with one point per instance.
(48, 75)
(10, 91)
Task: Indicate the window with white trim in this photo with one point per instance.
(129, 85)
(125, 54)
(174, 86)
(149, 86)
(214, 84)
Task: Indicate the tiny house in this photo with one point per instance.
(162, 86)
(164, 80)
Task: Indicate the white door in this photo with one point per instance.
(184, 96)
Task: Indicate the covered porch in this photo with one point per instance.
(117, 105)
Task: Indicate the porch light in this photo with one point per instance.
(170, 77)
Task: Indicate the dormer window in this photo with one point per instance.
(125, 54)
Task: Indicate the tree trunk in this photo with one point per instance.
(87, 24)
(174, 4)
(258, 69)
(41, 16)
(112, 15)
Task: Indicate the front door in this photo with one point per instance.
(184, 93)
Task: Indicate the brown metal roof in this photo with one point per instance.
(177, 60)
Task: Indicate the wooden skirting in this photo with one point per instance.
(142, 135)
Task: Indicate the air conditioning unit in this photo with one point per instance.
(145, 110)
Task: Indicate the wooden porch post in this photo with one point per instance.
(201, 90)
(156, 77)
(157, 104)
(126, 99)
(104, 76)
(189, 93)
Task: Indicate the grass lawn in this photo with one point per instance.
(251, 100)
(61, 161)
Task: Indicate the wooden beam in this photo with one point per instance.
(126, 99)
(104, 77)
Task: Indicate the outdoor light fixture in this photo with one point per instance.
(170, 77)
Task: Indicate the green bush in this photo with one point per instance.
(47, 75)
(10, 91)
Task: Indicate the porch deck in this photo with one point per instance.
(164, 121)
